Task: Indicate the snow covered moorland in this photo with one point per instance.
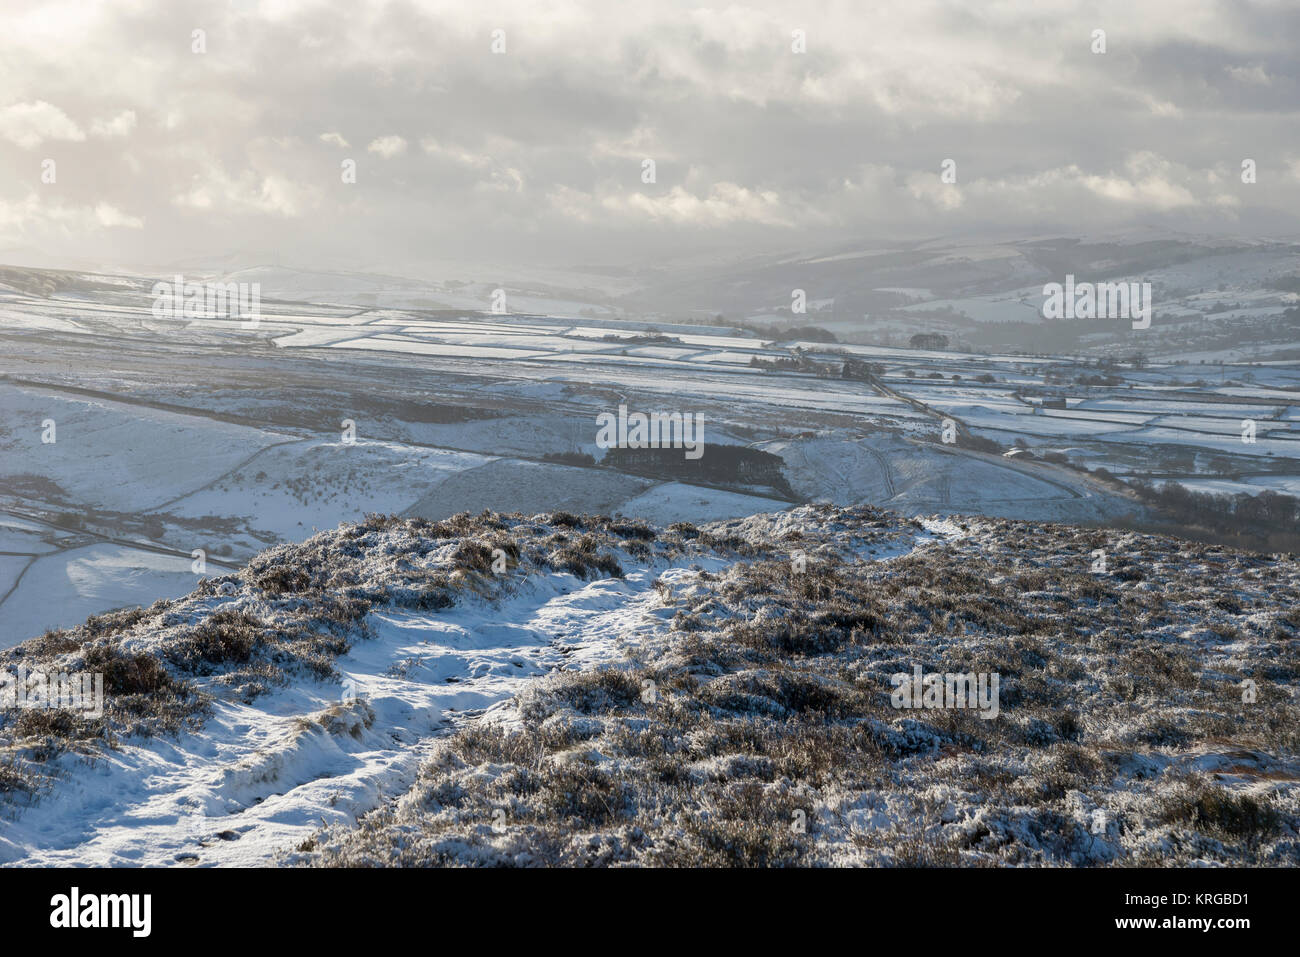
(565, 689)
(139, 453)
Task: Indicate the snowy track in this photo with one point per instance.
(264, 776)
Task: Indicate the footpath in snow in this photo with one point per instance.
(262, 776)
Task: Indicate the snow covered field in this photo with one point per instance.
(176, 437)
(382, 695)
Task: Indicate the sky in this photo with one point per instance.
(520, 132)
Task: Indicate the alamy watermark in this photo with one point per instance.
(657, 430)
(208, 300)
(76, 910)
(1102, 300)
(977, 691)
(82, 691)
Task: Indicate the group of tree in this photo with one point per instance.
(929, 340)
(861, 371)
(1269, 519)
(808, 334)
(719, 465)
(797, 361)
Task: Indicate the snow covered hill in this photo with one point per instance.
(580, 690)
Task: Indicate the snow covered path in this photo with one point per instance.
(261, 777)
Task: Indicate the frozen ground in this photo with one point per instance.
(258, 772)
(617, 693)
(760, 729)
(263, 776)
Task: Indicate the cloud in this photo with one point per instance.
(387, 146)
(723, 204)
(110, 216)
(1149, 183)
(1249, 74)
(120, 125)
(31, 124)
(215, 191)
(35, 214)
(1162, 107)
(757, 146)
(930, 188)
(454, 154)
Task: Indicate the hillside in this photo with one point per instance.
(579, 690)
(129, 441)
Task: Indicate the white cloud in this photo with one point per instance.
(500, 176)
(120, 125)
(930, 188)
(31, 124)
(387, 146)
(841, 141)
(1255, 75)
(1149, 183)
(273, 194)
(16, 215)
(1162, 107)
(109, 216)
(37, 214)
(725, 203)
(455, 154)
(504, 180)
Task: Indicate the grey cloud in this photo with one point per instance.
(536, 153)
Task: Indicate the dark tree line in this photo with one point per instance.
(1269, 519)
(719, 465)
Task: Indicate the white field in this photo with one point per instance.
(1286, 484)
(22, 537)
(118, 456)
(316, 484)
(545, 377)
(1141, 419)
(921, 479)
(63, 589)
(673, 502)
